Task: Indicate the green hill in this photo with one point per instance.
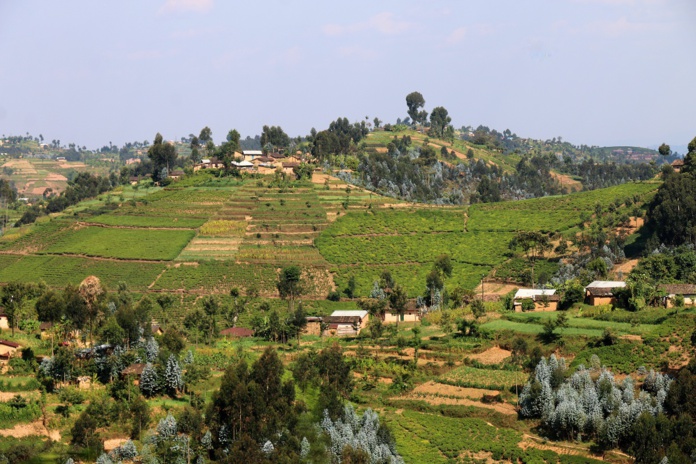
(205, 235)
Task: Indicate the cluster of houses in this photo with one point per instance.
(255, 160)
(599, 292)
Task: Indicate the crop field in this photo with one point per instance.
(490, 379)
(122, 243)
(58, 271)
(398, 222)
(147, 221)
(534, 329)
(586, 323)
(550, 213)
(411, 276)
(37, 237)
(433, 438)
(363, 244)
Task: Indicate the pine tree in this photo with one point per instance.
(126, 451)
(148, 381)
(268, 448)
(173, 377)
(151, 349)
(304, 448)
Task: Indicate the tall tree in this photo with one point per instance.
(91, 291)
(163, 156)
(290, 285)
(672, 212)
(12, 297)
(414, 102)
(206, 135)
(664, 150)
(439, 122)
(533, 243)
(275, 136)
(397, 301)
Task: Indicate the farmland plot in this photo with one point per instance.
(122, 243)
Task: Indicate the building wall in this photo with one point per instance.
(601, 300)
(312, 328)
(549, 306)
(393, 317)
(4, 323)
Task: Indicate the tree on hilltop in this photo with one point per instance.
(414, 102)
(439, 122)
(163, 156)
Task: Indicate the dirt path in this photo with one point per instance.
(26, 430)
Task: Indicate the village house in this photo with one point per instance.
(244, 164)
(8, 349)
(178, 174)
(544, 299)
(134, 371)
(251, 155)
(156, 329)
(346, 322)
(677, 165)
(411, 314)
(45, 330)
(288, 168)
(688, 291)
(600, 292)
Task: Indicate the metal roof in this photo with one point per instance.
(532, 292)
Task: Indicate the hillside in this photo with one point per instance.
(207, 235)
(408, 164)
(449, 387)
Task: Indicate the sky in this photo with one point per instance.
(595, 72)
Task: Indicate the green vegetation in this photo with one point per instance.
(122, 243)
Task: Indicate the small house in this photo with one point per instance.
(251, 155)
(8, 349)
(688, 291)
(243, 164)
(134, 371)
(178, 174)
(289, 167)
(237, 332)
(411, 314)
(601, 292)
(677, 165)
(45, 329)
(347, 322)
(156, 329)
(543, 299)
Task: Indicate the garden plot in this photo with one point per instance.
(135, 244)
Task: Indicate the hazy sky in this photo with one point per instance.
(599, 72)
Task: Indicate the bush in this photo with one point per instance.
(333, 296)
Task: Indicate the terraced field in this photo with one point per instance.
(208, 234)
